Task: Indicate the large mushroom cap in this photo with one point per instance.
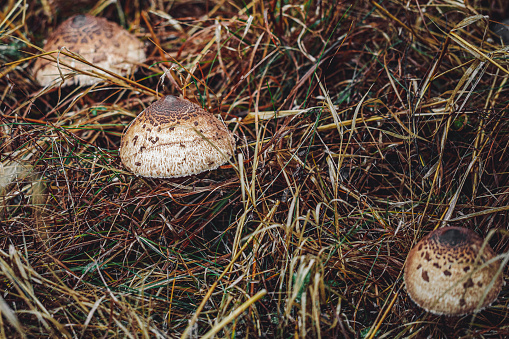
(174, 138)
(443, 272)
(101, 42)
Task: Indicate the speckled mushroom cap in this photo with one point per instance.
(442, 272)
(101, 42)
(174, 138)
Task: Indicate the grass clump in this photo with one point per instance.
(360, 128)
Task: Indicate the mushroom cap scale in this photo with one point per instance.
(444, 273)
(99, 41)
(174, 137)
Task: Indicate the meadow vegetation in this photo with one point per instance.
(361, 126)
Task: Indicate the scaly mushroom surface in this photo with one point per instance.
(445, 272)
(99, 41)
(174, 137)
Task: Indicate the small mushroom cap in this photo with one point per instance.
(174, 138)
(443, 274)
(101, 42)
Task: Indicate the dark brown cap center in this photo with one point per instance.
(452, 237)
(79, 21)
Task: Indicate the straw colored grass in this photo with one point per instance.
(361, 126)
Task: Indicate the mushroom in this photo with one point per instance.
(446, 273)
(174, 138)
(101, 42)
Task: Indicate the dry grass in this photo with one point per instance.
(361, 127)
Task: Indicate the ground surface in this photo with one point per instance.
(360, 126)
